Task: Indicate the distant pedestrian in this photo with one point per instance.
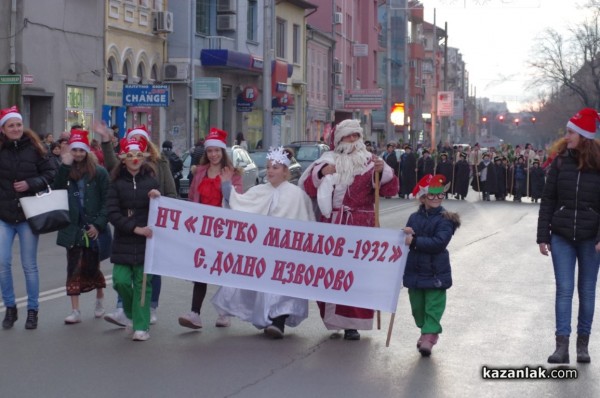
(428, 273)
(241, 141)
(569, 229)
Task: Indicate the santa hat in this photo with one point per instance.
(131, 144)
(345, 128)
(216, 137)
(430, 184)
(79, 139)
(585, 123)
(278, 155)
(9, 113)
(138, 131)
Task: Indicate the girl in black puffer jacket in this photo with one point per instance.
(428, 274)
(569, 228)
(128, 202)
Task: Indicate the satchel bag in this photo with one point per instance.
(103, 243)
(46, 211)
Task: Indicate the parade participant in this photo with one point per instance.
(519, 178)
(128, 203)
(390, 158)
(484, 179)
(475, 157)
(500, 173)
(428, 273)
(25, 169)
(277, 198)
(569, 229)
(445, 168)
(166, 186)
(175, 163)
(408, 172)
(87, 184)
(462, 172)
(425, 164)
(343, 182)
(207, 188)
(537, 180)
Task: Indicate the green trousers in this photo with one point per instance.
(427, 307)
(127, 281)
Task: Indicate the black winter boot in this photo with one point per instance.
(32, 319)
(561, 355)
(582, 349)
(10, 317)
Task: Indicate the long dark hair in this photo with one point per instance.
(148, 167)
(86, 166)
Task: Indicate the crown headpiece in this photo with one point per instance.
(278, 155)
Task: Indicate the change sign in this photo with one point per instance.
(145, 95)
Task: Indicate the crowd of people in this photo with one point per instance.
(115, 187)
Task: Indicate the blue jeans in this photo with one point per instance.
(564, 255)
(28, 243)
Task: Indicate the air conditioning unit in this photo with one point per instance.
(226, 22)
(176, 71)
(226, 6)
(337, 66)
(162, 22)
(338, 80)
(338, 18)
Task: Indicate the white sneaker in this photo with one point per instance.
(153, 317)
(223, 321)
(99, 310)
(190, 320)
(74, 318)
(140, 335)
(117, 318)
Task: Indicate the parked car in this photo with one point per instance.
(397, 151)
(308, 151)
(259, 157)
(240, 159)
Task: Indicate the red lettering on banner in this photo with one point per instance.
(376, 249)
(238, 265)
(165, 214)
(190, 224)
(226, 228)
(199, 258)
(300, 274)
(304, 242)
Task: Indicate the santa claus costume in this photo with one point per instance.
(342, 182)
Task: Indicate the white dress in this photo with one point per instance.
(287, 201)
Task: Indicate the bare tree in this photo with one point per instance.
(571, 63)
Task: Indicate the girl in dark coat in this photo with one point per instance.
(428, 274)
(462, 172)
(500, 172)
(87, 185)
(133, 184)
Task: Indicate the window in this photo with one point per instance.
(203, 17)
(79, 107)
(252, 20)
(296, 45)
(280, 38)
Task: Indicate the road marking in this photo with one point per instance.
(49, 295)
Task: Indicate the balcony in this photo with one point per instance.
(416, 50)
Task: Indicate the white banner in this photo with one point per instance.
(357, 266)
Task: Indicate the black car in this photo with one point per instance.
(259, 157)
(308, 151)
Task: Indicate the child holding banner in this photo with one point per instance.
(277, 198)
(128, 202)
(428, 273)
(207, 187)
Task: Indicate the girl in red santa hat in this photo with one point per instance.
(87, 184)
(569, 229)
(128, 203)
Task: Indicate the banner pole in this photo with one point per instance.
(377, 226)
(390, 328)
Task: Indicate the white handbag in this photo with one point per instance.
(46, 211)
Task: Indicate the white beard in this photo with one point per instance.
(350, 160)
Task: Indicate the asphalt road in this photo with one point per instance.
(500, 314)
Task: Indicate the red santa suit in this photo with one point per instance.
(347, 204)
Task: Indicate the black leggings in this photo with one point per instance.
(198, 296)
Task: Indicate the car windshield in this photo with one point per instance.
(260, 158)
(307, 153)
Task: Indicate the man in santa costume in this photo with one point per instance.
(343, 183)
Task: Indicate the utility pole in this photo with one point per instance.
(389, 130)
(268, 57)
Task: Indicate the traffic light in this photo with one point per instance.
(501, 118)
(517, 122)
(484, 119)
(533, 119)
(397, 114)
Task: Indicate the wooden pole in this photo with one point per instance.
(377, 226)
(390, 328)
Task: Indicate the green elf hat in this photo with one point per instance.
(438, 184)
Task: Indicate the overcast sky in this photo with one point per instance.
(496, 38)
